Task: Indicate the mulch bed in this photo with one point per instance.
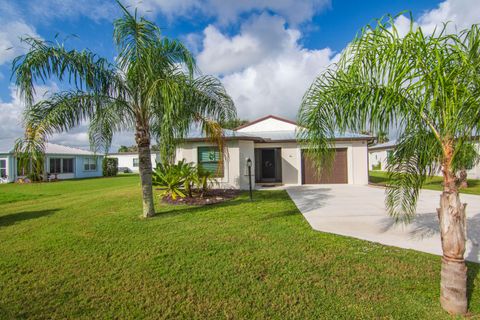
(211, 197)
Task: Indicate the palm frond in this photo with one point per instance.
(426, 86)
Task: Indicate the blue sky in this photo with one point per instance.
(265, 52)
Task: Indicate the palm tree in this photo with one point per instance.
(428, 87)
(152, 88)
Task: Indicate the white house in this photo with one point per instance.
(277, 158)
(61, 162)
(128, 161)
(378, 155)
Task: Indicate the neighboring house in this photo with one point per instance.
(277, 157)
(128, 161)
(61, 162)
(378, 155)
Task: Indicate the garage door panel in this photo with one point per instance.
(338, 173)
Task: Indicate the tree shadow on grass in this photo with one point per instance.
(11, 219)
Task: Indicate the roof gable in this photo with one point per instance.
(268, 123)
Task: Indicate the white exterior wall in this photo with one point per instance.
(291, 161)
(236, 173)
(269, 124)
(375, 157)
(358, 164)
(474, 173)
(126, 160)
(231, 171)
(246, 150)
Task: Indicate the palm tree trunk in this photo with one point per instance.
(463, 179)
(451, 214)
(142, 138)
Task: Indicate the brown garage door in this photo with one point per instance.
(337, 174)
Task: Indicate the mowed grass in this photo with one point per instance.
(79, 249)
(432, 183)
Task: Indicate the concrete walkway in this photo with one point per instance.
(359, 211)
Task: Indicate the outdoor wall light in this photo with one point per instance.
(249, 166)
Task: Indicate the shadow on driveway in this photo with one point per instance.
(311, 199)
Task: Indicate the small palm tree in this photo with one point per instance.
(151, 89)
(428, 87)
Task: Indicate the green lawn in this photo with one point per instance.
(433, 183)
(79, 249)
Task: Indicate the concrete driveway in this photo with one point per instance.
(359, 212)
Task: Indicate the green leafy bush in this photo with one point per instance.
(170, 180)
(204, 179)
(182, 179)
(377, 166)
(110, 167)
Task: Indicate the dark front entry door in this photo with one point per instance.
(268, 164)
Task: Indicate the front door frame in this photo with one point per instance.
(259, 177)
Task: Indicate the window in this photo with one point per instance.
(135, 162)
(61, 165)
(3, 168)
(89, 164)
(67, 165)
(210, 160)
(55, 165)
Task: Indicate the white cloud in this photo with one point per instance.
(11, 126)
(264, 68)
(461, 13)
(227, 11)
(10, 44)
(458, 14)
(261, 37)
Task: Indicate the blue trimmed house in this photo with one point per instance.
(62, 162)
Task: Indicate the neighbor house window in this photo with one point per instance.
(89, 164)
(209, 159)
(135, 162)
(3, 168)
(67, 165)
(61, 165)
(55, 165)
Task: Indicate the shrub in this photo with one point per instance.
(203, 179)
(179, 180)
(377, 166)
(170, 180)
(110, 167)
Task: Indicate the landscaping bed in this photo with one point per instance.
(210, 197)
